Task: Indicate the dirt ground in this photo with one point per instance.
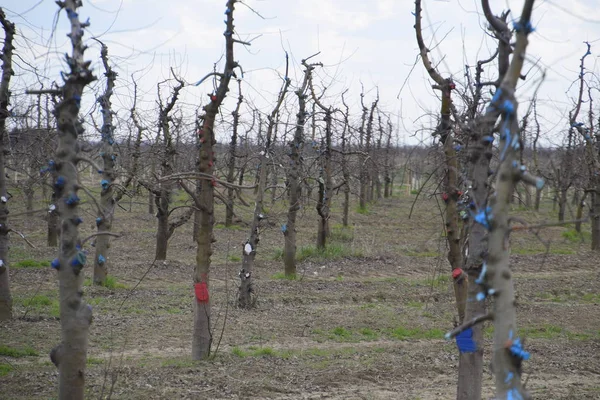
(364, 322)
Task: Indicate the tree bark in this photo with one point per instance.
(106, 211)
(232, 155)
(595, 215)
(562, 204)
(245, 298)
(293, 178)
(202, 337)
(7, 72)
(75, 314)
(496, 276)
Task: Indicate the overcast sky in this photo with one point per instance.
(368, 41)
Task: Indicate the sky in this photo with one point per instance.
(368, 42)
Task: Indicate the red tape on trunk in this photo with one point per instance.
(201, 292)
(456, 273)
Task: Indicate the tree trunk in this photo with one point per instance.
(75, 314)
(595, 217)
(107, 202)
(151, 201)
(29, 193)
(162, 233)
(245, 298)
(294, 184)
(232, 155)
(562, 205)
(538, 197)
(7, 72)
(202, 337)
(527, 196)
(579, 215)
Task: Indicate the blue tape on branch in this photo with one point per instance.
(517, 350)
(465, 342)
(513, 394)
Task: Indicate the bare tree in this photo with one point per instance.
(592, 152)
(232, 157)
(245, 299)
(75, 314)
(325, 174)
(451, 185)
(366, 171)
(202, 338)
(7, 72)
(163, 188)
(496, 277)
(345, 169)
(293, 174)
(107, 202)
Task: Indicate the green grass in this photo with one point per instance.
(414, 304)
(180, 197)
(254, 351)
(340, 233)
(234, 258)
(5, 369)
(230, 227)
(41, 304)
(282, 275)
(111, 282)
(178, 363)
(574, 237)
(17, 353)
(423, 254)
(549, 331)
(277, 255)
(541, 250)
(402, 333)
(362, 210)
(591, 297)
(369, 333)
(570, 297)
(29, 263)
(341, 332)
(94, 361)
(331, 252)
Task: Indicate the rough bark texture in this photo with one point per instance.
(592, 154)
(366, 166)
(245, 294)
(496, 278)
(75, 314)
(202, 338)
(345, 169)
(7, 72)
(362, 177)
(107, 202)
(293, 178)
(387, 173)
(232, 155)
(325, 174)
(451, 195)
(135, 151)
(325, 185)
(595, 217)
(162, 195)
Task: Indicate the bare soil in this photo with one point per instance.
(365, 323)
